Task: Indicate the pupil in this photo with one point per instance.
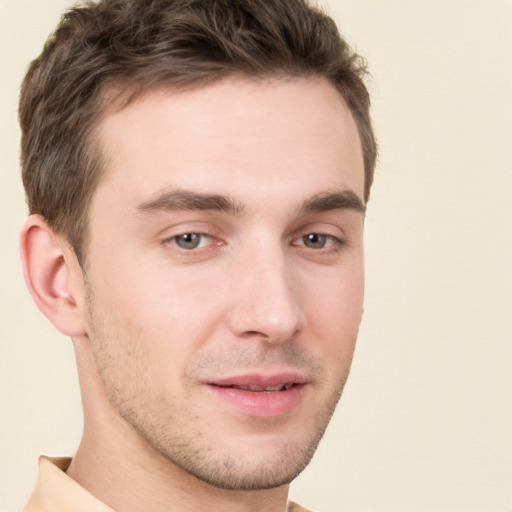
(188, 240)
(314, 240)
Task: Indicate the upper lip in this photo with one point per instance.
(260, 380)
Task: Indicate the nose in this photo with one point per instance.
(266, 301)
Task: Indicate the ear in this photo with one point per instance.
(53, 276)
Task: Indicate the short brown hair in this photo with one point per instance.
(133, 45)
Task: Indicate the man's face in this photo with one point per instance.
(225, 273)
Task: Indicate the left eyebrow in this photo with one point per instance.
(326, 201)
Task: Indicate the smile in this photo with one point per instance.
(261, 396)
(262, 389)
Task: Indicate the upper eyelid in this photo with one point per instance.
(200, 228)
(182, 233)
(320, 228)
(296, 236)
(188, 232)
(224, 232)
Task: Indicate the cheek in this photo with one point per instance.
(165, 310)
(334, 312)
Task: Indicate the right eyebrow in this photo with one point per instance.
(188, 200)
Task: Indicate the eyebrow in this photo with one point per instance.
(339, 200)
(188, 201)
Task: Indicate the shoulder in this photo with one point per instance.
(294, 507)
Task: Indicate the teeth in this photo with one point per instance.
(274, 388)
(279, 387)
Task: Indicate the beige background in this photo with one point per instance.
(426, 420)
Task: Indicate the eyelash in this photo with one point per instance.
(201, 236)
(333, 243)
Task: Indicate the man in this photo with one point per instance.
(197, 174)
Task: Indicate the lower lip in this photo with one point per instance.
(262, 403)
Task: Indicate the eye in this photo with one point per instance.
(317, 241)
(189, 241)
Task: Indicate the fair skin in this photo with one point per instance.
(215, 320)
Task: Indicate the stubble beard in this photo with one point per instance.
(197, 455)
(185, 446)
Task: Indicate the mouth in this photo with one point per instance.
(264, 396)
(260, 389)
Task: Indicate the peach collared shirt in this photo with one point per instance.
(55, 491)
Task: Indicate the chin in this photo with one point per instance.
(232, 473)
(250, 467)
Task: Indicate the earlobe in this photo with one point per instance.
(50, 270)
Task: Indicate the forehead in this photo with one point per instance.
(232, 136)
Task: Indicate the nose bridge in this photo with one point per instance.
(265, 300)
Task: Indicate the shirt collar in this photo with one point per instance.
(57, 492)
